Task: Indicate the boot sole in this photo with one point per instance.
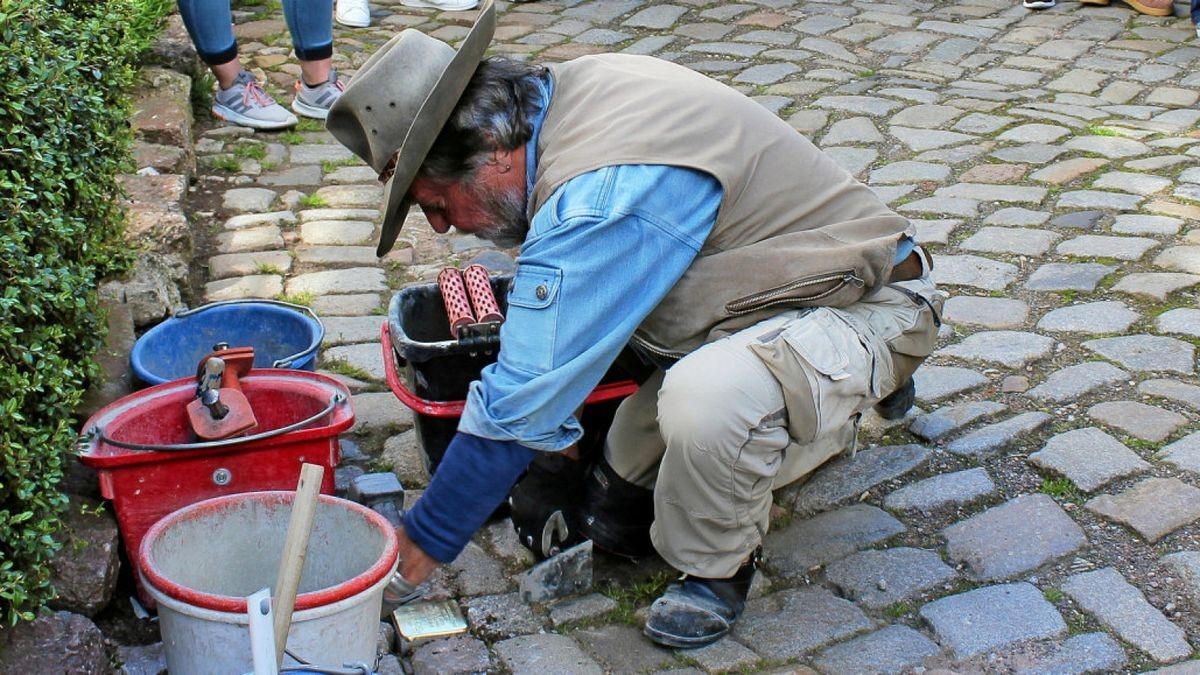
(680, 642)
(1143, 9)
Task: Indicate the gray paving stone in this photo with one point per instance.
(945, 206)
(1010, 240)
(974, 271)
(315, 154)
(894, 649)
(247, 200)
(1111, 147)
(1087, 653)
(982, 123)
(350, 329)
(1009, 76)
(1123, 609)
(1121, 248)
(768, 624)
(767, 73)
(1186, 564)
(1146, 353)
(1110, 316)
(1068, 170)
(1187, 394)
(953, 50)
(902, 42)
(1095, 199)
(252, 286)
(927, 139)
(346, 175)
(242, 264)
(658, 16)
(380, 410)
(859, 130)
(949, 489)
(296, 175)
(853, 160)
(1015, 215)
(1180, 258)
(477, 573)
(861, 105)
(245, 220)
(771, 37)
(458, 654)
(1004, 347)
(994, 193)
(352, 280)
(935, 383)
(992, 617)
(1137, 183)
(1034, 133)
(365, 357)
(876, 579)
(1128, 223)
(337, 232)
(1016, 537)
(1074, 381)
(1184, 453)
(723, 656)
(622, 649)
(986, 312)
(581, 609)
(1180, 321)
(1068, 277)
(357, 304)
(946, 420)
(820, 24)
(1079, 220)
(890, 193)
(499, 617)
(988, 439)
(262, 238)
(1156, 285)
(830, 536)
(1154, 507)
(1089, 457)
(1138, 419)
(545, 654)
(309, 215)
(849, 477)
(808, 121)
(934, 231)
(351, 196)
(1030, 153)
(956, 155)
(336, 255)
(925, 116)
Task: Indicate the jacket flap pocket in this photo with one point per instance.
(810, 340)
(534, 286)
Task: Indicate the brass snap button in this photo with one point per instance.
(541, 292)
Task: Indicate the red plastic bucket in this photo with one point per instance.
(151, 465)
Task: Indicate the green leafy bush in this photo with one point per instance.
(65, 67)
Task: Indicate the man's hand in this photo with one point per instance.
(415, 565)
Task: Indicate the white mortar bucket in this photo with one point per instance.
(200, 563)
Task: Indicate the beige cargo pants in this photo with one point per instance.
(756, 410)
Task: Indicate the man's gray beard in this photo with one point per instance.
(509, 225)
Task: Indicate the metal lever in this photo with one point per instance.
(208, 388)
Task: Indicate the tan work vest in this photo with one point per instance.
(794, 229)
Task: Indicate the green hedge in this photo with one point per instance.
(65, 69)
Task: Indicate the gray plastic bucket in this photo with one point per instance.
(200, 563)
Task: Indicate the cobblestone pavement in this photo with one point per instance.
(1038, 513)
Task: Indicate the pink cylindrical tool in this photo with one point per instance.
(454, 295)
(479, 287)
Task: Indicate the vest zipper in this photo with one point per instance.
(657, 351)
(773, 297)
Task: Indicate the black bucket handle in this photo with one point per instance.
(278, 363)
(96, 434)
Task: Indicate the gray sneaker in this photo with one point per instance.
(246, 104)
(314, 102)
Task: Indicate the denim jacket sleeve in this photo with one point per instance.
(600, 254)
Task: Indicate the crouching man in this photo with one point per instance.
(658, 209)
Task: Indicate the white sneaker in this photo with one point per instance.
(246, 104)
(1038, 4)
(353, 13)
(446, 5)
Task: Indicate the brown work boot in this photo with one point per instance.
(1151, 7)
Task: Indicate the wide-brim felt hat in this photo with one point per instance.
(398, 102)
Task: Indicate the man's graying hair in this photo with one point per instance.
(493, 114)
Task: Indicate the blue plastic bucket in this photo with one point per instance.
(283, 336)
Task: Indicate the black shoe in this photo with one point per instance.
(696, 612)
(896, 405)
(616, 513)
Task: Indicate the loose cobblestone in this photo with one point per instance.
(876, 579)
(1122, 608)
(1154, 507)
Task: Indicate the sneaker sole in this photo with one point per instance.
(228, 115)
(309, 110)
(353, 24)
(448, 6)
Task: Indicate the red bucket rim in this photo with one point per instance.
(237, 604)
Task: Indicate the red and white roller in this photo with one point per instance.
(479, 287)
(454, 295)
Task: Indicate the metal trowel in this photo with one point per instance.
(220, 409)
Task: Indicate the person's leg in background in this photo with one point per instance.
(1196, 16)
(239, 97)
(311, 24)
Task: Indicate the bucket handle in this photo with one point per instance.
(96, 434)
(278, 363)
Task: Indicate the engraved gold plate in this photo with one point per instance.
(425, 620)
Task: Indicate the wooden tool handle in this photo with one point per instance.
(295, 548)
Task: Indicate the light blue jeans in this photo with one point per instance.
(210, 24)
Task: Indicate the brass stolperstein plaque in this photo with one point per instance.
(425, 620)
